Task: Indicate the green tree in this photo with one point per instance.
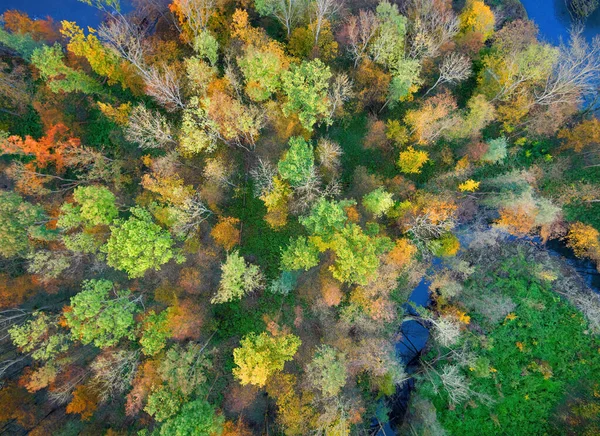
(19, 221)
(327, 371)
(326, 218)
(300, 254)
(262, 70)
(39, 336)
(61, 78)
(297, 164)
(155, 332)
(378, 202)
(101, 314)
(206, 45)
(305, 87)
(355, 256)
(261, 356)
(97, 204)
(94, 205)
(197, 417)
(138, 244)
(238, 278)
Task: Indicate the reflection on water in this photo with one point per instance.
(554, 20)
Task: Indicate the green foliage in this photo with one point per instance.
(206, 45)
(97, 204)
(101, 314)
(82, 242)
(19, 221)
(378, 202)
(260, 356)
(155, 332)
(534, 355)
(164, 403)
(299, 254)
(262, 71)
(305, 87)
(355, 256)
(496, 151)
(38, 337)
(297, 164)
(327, 371)
(23, 44)
(197, 130)
(237, 279)
(197, 417)
(61, 78)
(285, 283)
(388, 47)
(138, 244)
(326, 218)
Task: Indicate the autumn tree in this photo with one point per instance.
(101, 314)
(582, 135)
(299, 254)
(477, 17)
(584, 240)
(84, 402)
(261, 356)
(138, 244)
(226, 232)
(238, 278)
(411, 161)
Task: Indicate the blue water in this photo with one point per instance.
(554, 21)
(70, 10)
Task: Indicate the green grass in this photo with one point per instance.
(350, 137)
(553, 334)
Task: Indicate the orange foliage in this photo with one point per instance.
(330, 290)
(40, 30)
(190, 279)
(85, 402)
(352, 214)
(582, 135)
(239, 428)
(15, 404)
(402, 253)
(226, 232)
(50, 149)
(14, 291)
(518, 221)
(376, 136)
(145, 378)
(185, 320)
(584, 240)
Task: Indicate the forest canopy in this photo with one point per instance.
(299, 217)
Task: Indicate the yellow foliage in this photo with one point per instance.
(469, 186)
(411, 161)
(477, 17)
(584, 240)
(117, 114)
(582, 135)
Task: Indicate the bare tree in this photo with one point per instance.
(197, 13)
(324, 10)
(113, 372)
(149, 129)
(289, 12)
(262, 175)
(163, 84)
(454, 69)
(361, 32)
(432, 24)
(328, 154)
(576, 73)
(340, 91)
(193, 213)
